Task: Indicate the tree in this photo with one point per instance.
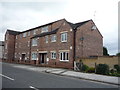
(118, 54)
(105, 51)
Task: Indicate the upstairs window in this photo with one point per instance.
(34, 42)
(16, 37)
(20, 35)
(34, 32)
(63, 37)
(29, 33)
(53, 38)
(24, 34)
(44, 29)
(46, 39)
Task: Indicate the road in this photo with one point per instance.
(13, 77)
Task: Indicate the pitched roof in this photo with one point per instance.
(13, 32)
(46, 33)
(43, 25)
(76, 25)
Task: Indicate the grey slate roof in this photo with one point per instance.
(13, 32)
(74, 26)
(46, 33)
(42, 25)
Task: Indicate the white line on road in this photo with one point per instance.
(33, 88)
(7, 77)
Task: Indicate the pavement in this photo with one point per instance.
(71, 73)
(16, 76)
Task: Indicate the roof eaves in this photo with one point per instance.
(42, 25)
(46, 33)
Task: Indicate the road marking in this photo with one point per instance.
(7, 77)
(33, 88)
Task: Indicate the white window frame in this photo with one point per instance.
(6, 46)
(34, 56)
(46, 39)
(64, 58)
(20, 35)
(15, 45)
(29, 33)
(16, 37)
(64, 37)
(28, 43)
(24, 34)
(53, 38)
(34, 32)
(44, 29)
(34, 42)
(15, 55)
(53, 54)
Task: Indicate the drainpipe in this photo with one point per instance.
(74, 45)
(30, 51)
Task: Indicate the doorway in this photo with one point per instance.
(42, 58)
(23, 57)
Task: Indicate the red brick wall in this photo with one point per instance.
(10, 46)
(92, 45)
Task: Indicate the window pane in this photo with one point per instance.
(63, 55)
(67, 56)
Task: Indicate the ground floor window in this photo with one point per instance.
(53, 55)
(34, 56)
(64, 56)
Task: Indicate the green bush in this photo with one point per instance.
(85, 67)
(117, 67)
(91, 70)
(115, 74)
(102, 69)
(112, 71)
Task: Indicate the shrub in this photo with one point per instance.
(91, 70)
(112, 71)
(102, 69)
(85, 67)
(117, 67)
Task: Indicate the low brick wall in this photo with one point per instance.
(109, 60)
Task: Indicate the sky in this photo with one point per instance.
(21, 15)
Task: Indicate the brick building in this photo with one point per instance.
(1, 49)
(55, 44)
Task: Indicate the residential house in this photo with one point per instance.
(56, 44)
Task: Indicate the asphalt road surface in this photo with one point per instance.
(21, 78)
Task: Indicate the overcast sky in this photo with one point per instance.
(25, 14)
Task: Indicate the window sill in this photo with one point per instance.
(34, 60)
(53, 41)
(64, 60)
(63, 41)
(53, 58)
(34, 46)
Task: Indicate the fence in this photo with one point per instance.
(109, 60)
